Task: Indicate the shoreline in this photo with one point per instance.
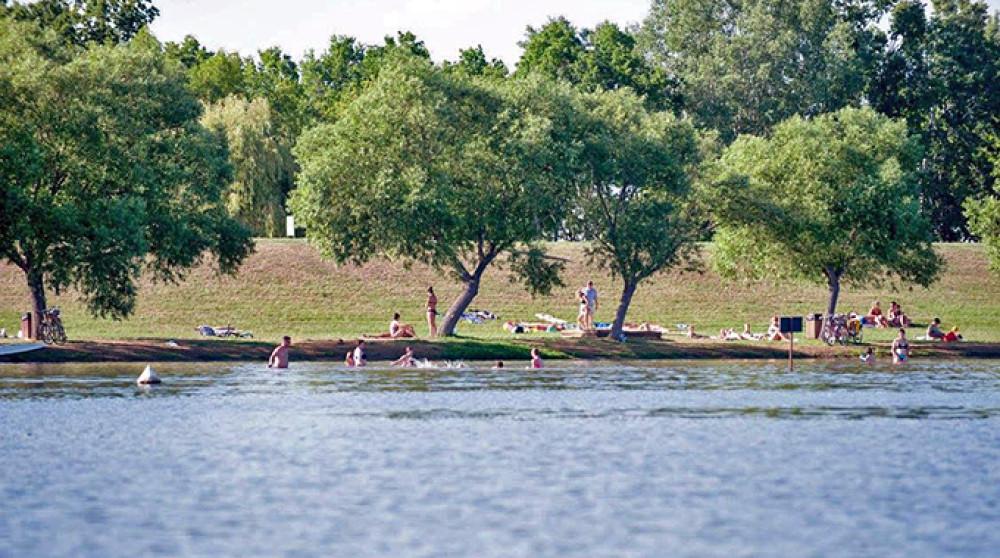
(219, 350)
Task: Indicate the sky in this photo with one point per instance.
(445, 26)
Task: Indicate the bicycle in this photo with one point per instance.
(51, 330)
(835, 330)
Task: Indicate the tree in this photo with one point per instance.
(745, 65)
(984, 222)
(472, 62)
(275, 77)
(637, 169)
(551, 51)
(984, 217)
(329, 76)
(262, 165)
(218, 76)
(604, 58)
(833, 199)
(106, 172)
(432, 167)
(189, 52)
(80, 21)
(941, 73)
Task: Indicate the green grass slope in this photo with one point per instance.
(285, 288)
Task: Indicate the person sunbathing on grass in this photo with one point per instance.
(897, 317)
(934, 330)
(875, 315)
(397, 329)
(749, 335)
(774, 332)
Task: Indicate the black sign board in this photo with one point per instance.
(791, 324)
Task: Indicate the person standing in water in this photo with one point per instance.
(432, 304)
(536, 359)
(279, 356)
(360, 358)
(900, 348)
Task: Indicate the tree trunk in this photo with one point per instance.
(37, 287)
(461, 303)
(833, 280)
(627, 291)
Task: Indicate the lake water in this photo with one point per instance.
(583, 459)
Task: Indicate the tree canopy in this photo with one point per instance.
(745, 65)
(830, 199)
(261, 163)
(85, 21)
(636, 172)
(435, 167)
(106, 172)
(941, 73)
(603, 58)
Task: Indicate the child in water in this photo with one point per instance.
(868, 357)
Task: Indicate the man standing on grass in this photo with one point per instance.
(279, 357)
(591, 293)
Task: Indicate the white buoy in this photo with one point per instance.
(148, 377)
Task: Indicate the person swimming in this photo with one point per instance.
(406, 359)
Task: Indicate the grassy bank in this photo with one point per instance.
(286, 289)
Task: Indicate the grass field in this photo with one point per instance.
(286, 289)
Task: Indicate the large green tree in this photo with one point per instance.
(745, 65)
(832, 199)
(262, 163)
(434, 167)
(85, 21)
(105, 171)
(633, 189)
(941, 73)
(983, 215)
(602, 58)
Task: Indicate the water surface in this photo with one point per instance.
(583, 459)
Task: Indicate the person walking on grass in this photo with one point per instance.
(432, 304)
(591, 293)
(279, 356)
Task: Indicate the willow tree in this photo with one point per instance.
(105, 171)
(433, 167)
(636, 175)
(833, 199)
(261, 163)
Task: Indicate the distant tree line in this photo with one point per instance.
(810, 139)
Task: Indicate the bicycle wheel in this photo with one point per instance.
(45, 334)
(58, 334)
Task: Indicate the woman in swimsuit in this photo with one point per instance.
(581, 316)
(900, 348)
(432, 304)
(536, 359)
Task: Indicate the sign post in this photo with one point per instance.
(789, 325)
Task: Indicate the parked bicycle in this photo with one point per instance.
(841, 329)
(51, 330)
